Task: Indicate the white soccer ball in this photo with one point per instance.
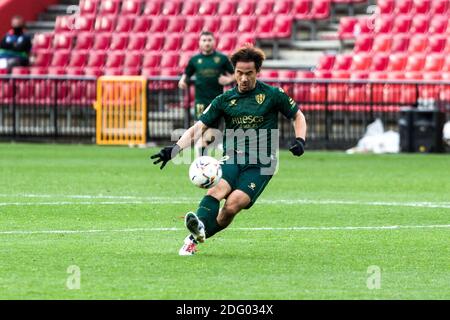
(205, 172)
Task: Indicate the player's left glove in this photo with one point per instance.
(166, 154)
(298, 147)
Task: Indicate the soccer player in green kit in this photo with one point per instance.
(213, 71)
(251, 105)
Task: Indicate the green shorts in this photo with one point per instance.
(246, 178)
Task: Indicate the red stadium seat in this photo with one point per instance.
(208, 8)
(184, 59)
(38, 70)
(404, 6)
(74, 71)
(283, 7)
(366, 25)
(247, 24)
(447, 64)
(109, 7)
(153, 7)
(418, 43)
(343, 62)
(169, 60)
(151, 60)
(264, 7)
(416, 62)
(105, 23)
(301, 9)
(93, 71)
(402, 23)
(83, 23)
(128, 71)
(171, 8)
(246, 8)
(190, 42)
(439, 7)
(42, 58)
(78, 59)
(283, 26)
(159, 24)
(326, 62)
(226, 8)
(137, 41)
(142, 24)
(173, 42)
(131, 7)
(102, 41)
(246, 37)
(420, 24)
(434, 62)
(65, 23)
(119, 41)
(113, 71)
(190, 8)
(96, 59)
(361, 62)
(227, 42)
(115, 59)
(386, 6)
(382, 43)
(176, 24)
(269, 74)
(397, 62)
(194, 24)
(400, 42)
(42, 41)
(380, 62)
(347, 27)
(150, 72)
(60, 58)
(384, 24)
(421, 7)
(85, 41)
(363, 43)
(438, 24)
(212, 24)
(436, 43)
(88, 7)
(155, 42)
(287, 74)
(56, 71)
(63, 41)
(321, 9)
(265, 26)
(125, 24)
(133, 60)
(20, 71)
(229, 24)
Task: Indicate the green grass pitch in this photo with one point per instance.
(323, 225)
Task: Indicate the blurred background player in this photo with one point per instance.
(15, 46)
(251, 105)
(213, 71)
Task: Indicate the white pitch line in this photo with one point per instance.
(181, 200)
(344, 228)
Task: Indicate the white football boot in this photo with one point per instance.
(195, 226)
(189, 246)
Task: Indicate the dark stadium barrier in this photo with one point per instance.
(46, 107)
(337, 112)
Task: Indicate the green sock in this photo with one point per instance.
(207, 212)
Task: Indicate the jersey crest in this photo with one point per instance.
(217, 60)
(260, 98)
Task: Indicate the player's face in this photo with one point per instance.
(207, 44)
(245, 75)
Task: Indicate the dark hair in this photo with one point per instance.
(248, 53)
(207, 33)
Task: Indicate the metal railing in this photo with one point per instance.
(337, 112)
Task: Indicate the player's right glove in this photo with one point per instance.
(166, 154)
(298, 147)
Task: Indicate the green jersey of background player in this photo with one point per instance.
(213, 70)
(250, 105)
